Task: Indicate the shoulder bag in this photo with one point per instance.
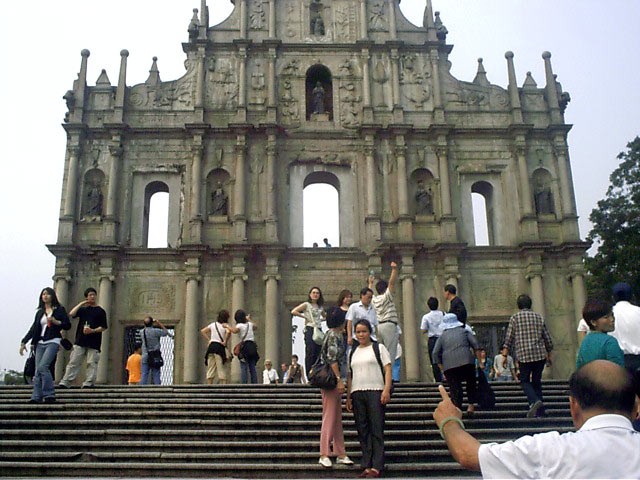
(321, 374)
(237, 350)
(30, 366)
(154, 357)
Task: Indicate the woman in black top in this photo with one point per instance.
(344, 300)
(51, 318)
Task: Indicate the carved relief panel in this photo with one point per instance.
(290, 92)
(415, 82)
(154, 298)
(377, 15)
(174, 95)
(381, 75)
(258, 15)
(257, 85)
(222, 83)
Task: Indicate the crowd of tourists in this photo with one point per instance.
(356, 356)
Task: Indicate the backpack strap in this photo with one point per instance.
(376, 352)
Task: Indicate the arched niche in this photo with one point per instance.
(319, 93)
(321, 207)
(423, 195)
(339, 177)
(485, 189)
(543, 195)
(93, 194)
(218, 193)
(150, 190)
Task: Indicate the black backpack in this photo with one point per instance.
(376, 351)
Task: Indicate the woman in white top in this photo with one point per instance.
(368, 391)
(269, 374)
(313, 313)
(217, 333)
(249, 351)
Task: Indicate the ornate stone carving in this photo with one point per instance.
(350, 108)
(257, 15)
(152, 298)
(258, 96)
(381, 77)
(292, 68)
(424, 200)
(219, 201)
(70, 100)
(317, 24)
(441, 30)
(345, 23)
(94, 200)
(222, 83)
(174, 95)
(289, 108)
(292, 27)
(377, 16)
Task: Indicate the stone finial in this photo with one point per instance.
(529, 82)
(154, 73)
(441, 30)
(204, 14)
(103, 79)
(508, 55)
(193, 25)
(481, 76)
(85, 53)
(427, 17)
(124, 52)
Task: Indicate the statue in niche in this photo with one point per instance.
(257, 16)
(543, 199)
(317, 23)
(424, 200)
(94, 200)
(317, 99)
(376, 19)
(70, 99)
(441, 30)
(219, 201)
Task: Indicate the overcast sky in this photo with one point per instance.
(594, 46)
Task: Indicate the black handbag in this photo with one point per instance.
(154, 357)
(321, 374)
(30, 366)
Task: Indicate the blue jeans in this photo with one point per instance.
(147, 372)
(395, 370)
(249, 368)
(531, 380)
(43, 380)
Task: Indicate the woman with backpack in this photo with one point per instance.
(368, 392)
(248, 350)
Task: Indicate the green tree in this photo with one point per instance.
(616, 229)
(12, 377)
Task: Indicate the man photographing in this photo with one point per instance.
(604, 445)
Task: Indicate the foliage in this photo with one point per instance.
(12, 377)
(616, 229)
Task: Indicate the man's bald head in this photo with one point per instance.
(603, 385)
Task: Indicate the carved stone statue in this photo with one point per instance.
(219, 201)
(257, 16)
(317, 99)
(317, 24)
(424, 202)
(441, 30)
(94, 201)
(544, 200)
(70, 99)
(376, 18)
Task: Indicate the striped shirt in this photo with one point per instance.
(528, 334)
(385, 307)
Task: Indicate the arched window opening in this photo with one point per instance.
(156, 215)
(482, 204)
(319, 93)
(321, 211)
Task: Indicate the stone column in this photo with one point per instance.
(514, 95)
(410, 325)
(403, 196)
(191, 330)
(437, 95)
(109, 229)
(363, 20)
(242, 77)
(372, 209)
(271, 81)
(239, 190)
(271, 318)
(243, 18)
(104, 300)
(579, 292)
(61, 287)
(366, 85)
(237, 302)
(445, 186)
(272, 187)
(72, 182)
(200, 87)
(196, 191)
(272, 18)
(392, 20)
(561, 154)
(520, 152)
(118, 110)
(537, 292)
(395, 77)
(551, 90)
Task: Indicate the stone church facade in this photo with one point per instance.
(288, 93)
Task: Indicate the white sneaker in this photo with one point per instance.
(344, 461)
(325, 462)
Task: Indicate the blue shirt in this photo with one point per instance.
(599, 346)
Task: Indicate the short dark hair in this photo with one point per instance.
(223, 316)
(433, 303)
(364, 322)
(240, 316)
(595, 309)
(450, 288)
(524, 301)
(381, 286)
(593, 389)
(294, 356)
(622, 292)
(334, 319)
(88, 291)
(364, 291)
(320, 299)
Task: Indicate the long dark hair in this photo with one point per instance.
(320, 299)
(54, 298)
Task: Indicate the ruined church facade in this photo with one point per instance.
(284, 94)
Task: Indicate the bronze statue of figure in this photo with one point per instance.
(317, 99)
(219, 201)
(317, 24)
(94, 200)
(424, 201)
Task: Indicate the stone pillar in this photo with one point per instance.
(525, 186)
(104, 300)
(200, 87)
(272, 187)
(243, 18)
(109, 227)
(537, 291)
(392, 20)
(437, 93)
(561, 153)
(271, 81)
(72, 182)
(372, 208)
(196, 191)
(579, 292)
(551, 91)
(271, 318)
(403, 196)
(395, 77)
(272, 18)
(366, 85)
(118, 110)
(239, 190)
(410, 324)
(242, 76)
(363, 20)
(191, 330)
(61, 286)
(79, 91)
(445, 186)
(237, 302)
(514, 95)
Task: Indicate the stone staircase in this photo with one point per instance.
(257, 431)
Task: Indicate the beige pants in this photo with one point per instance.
(78, 355)
(215, 367)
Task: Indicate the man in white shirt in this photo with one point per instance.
(362, 310)
(431, 324)
(386, 312)
(604, 445)
(627, 330)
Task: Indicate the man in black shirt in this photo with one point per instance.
(92, 322)
(456, 305)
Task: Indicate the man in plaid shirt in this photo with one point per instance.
(528, 335)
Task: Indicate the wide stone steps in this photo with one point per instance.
(237, 431)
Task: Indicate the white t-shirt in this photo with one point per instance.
(385, 308)
(583, 326)
(217, 332)
(627, 330)
(606, 446)
(366, 369)
(242, 328)
(357, 311)
(43, 324)
(503, 371)
(432, 323)
(270, 376)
